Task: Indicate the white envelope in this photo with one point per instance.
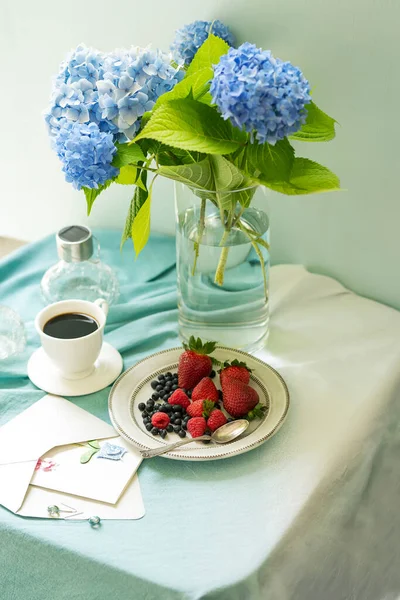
(50, 422)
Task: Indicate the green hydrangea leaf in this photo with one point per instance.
(306, 177)
(127, 175)
(92, 193)
(191, 125)
(319, 127)
(267, 162)
(139, 198)
(208, 54)
(127, 154)
(195, 85)
(140, 229)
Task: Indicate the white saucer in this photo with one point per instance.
(45, 376)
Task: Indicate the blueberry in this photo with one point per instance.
(168, 408)
(168, 374)
(142, 406)
(146, 420)
(164, 409)
(176, 428)
(220, 394)
(177, 408)
(150, 402)
(149, 426)
(176, 415)
(154, 384)
(165, 396)
(206, 441)
(177, 421)
(145, 414)
(163, 433)
(174, 387)
(212, 374)
(216, 405)
(155, 431)
(170, 428)
(159, 388)
(155, 396)
(182, 433)
(184, 425)
(189, 394)
(161, 377)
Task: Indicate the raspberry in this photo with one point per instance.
(179, 397)
(160, 420)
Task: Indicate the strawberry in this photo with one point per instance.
(216, 419)
(235, 370)
(205, 390)
(194, 364)
(197, 426)
(160, 420)
(179, 397)
(200, 408)
(239, 398)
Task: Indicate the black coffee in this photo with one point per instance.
(70, 326)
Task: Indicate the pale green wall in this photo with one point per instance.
(349, 50)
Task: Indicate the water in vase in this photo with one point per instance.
(235, 314)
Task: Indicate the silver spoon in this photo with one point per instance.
(222, 435)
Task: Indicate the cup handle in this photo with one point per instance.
(103, 304)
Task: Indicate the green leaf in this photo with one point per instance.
(86, 456)
(191, 125)
(319, 127)
(197, 85)
(208, 54)
(228, 179)
(127, 175)
(92, 193)
(198, 175)
(139, 198)
(94, 444)
(140, 230)
(306, 177)
(270, 163)
(127, 154)
(168, 156)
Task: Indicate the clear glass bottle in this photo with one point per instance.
(12, 333)
(80, 274)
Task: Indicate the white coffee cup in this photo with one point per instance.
(75, 357)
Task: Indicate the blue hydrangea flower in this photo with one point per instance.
(259, 93)
(75, 96)
(132, 82)
(112, 451)
(86, 153)
(189, 39)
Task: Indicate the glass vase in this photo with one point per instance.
(222, 241)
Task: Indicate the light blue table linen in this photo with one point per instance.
(237, 529)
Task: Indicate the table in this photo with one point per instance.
(311, 514)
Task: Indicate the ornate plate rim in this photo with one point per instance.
(175, 456)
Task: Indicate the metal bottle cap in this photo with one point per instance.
(74, 243)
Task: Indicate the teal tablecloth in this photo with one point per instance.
(292, 519)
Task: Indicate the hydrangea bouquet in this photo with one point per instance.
(210, 115)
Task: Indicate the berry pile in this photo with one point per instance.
(163, 413)
(190, 401)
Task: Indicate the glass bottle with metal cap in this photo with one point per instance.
(80, 273)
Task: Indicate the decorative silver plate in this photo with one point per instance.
(133, 387)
